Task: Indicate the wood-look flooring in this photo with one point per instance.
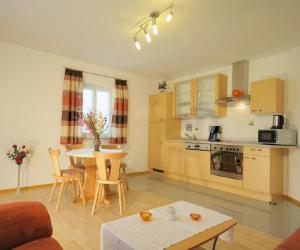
(75, 228)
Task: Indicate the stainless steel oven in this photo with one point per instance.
(227, 161)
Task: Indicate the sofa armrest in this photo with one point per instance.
(22, 222)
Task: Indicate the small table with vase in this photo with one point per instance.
(89, 159)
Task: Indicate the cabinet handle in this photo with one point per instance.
(259, 150)
(260, 110)
(247, 157)
(253, 110)
(253, 158)
(252, 149)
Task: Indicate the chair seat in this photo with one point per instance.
(79, 165)
(41, 244)
(72, 172)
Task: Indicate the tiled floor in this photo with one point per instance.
(279, 220)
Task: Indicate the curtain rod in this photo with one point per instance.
(91, 73)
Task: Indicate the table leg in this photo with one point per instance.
(215, 243)
(90, 180)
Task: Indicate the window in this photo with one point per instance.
(97, 99)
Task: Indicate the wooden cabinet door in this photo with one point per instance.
(267, 96)
(256, 173)
(198, 164)
(158, 112)
(175, 158)
(155, 151)
(184, 99)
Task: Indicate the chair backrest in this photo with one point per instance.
(70, 147)
(111, 146)
(54, 156)
(115, 162)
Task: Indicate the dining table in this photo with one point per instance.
(86, 155)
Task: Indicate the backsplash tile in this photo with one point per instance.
(239, 124)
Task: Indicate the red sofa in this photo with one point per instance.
(26, 225)
(291, 243)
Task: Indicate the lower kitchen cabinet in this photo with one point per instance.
(263, 170)
(257, 173)
(198, 164)
(174, 158)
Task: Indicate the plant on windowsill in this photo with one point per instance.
(18, 154)
(96, 124)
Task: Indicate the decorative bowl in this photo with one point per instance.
(195, 216)
(145, 215)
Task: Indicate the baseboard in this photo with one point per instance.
(138, 173)
(26, 188)
(291, 199)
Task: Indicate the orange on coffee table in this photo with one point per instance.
(145, 215)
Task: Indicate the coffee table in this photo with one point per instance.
(131, 232)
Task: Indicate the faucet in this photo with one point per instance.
(191, 136)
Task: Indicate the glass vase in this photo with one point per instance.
(97, 144)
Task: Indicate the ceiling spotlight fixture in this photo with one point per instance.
(137, 43)
(152, 21)
(154, 27)
(170, 15)
(147, 35)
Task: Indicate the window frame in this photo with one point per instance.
(94, 88)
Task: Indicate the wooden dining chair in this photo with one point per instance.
(123, 165)
(112, 177)
(75, 162)
(64, 177)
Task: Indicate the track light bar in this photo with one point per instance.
(152, 20)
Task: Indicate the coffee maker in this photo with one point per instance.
(214, 133)
(278, 122)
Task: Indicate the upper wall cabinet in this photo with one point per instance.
(267, 96)
(183, 99)
(207, 91)
(196, 98)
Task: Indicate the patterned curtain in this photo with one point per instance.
(120, 113)
(71, 131)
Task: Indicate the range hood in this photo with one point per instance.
(240, 79)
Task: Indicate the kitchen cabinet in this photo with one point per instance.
(198, 164)
(156, 139)
(257, 173)
(183, 99)
(174, 158)
(263, 170)
(197, 97)
(267, 96)
(160, 107)
(207, 91)
(161, 126)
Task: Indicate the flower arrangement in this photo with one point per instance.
(97, 124)
(162, 86)
(18, 153)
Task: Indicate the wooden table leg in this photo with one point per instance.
(90, 181)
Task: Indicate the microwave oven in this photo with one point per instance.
(278, 136)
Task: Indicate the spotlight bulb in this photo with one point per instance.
(169, 16)
(137, 43)
(147, 35)
(154, 27)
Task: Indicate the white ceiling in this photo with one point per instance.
(203, 34)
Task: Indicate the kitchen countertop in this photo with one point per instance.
(231, 142)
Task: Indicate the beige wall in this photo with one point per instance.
(287, 67)
(30, 108)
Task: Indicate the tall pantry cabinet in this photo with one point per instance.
(162, 126)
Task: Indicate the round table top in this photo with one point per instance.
(89, 152)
